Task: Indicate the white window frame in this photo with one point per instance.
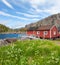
(45, 32)
(54, 32)
(38, 32)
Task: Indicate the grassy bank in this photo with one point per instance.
(30, 52)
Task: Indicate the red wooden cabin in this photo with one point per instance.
(47, 32)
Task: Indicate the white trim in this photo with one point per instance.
(54, 32)
(50, 33)
(45, 32)
(38, 32)
(51, 29)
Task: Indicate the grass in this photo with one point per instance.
(30, 52)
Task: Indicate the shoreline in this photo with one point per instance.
(13, 33)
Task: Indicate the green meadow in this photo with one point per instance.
(30, 52)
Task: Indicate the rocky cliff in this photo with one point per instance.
(50, 20)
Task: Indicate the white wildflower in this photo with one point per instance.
(57, 59)
(42, 57)
(52, 53)
(52, 57)
(48, 61)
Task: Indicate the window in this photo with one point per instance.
(54, 32)
(45, 32)
(38, 32)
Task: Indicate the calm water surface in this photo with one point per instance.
(3, 36)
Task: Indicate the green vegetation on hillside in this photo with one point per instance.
(30, 52)
(3, 28)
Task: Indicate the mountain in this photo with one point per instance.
(50, 20)
(3, 28)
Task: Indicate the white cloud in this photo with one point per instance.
(6, 14)
(18, 24)
(36, 3)
(15, 24)
(4, 22)
(8, 4)
(54, 9)
(28, 15)
(54, 6)
(21, 18)
(19, 3)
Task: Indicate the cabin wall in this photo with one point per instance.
(34, 33)
(42, 35)
(48, 34)
(54, 32)
(29, 33)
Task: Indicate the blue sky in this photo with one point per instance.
(18, 13)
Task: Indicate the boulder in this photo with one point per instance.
(10, 40)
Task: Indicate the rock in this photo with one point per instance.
(3, 42)
(10, 40)
(7, 41)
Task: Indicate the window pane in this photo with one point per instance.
(45, 32)
(38, 32)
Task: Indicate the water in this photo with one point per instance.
(3, 36)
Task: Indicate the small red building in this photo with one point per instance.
(47, 31)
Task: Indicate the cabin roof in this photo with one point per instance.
(41, 28)
(46, 27)
(32, 28)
